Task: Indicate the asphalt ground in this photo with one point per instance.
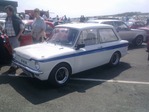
(124, 88)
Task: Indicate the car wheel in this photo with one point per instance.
(115, 59)
(138, 41)
(60, 75)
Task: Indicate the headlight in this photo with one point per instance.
(37, 65)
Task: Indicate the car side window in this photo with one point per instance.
(88, 37)
(107, 35)
(120, 26)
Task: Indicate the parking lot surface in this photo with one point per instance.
(124, 88)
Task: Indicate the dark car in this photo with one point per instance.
(5, 49)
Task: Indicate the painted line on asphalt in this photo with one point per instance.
(110, 81)
(87, 79)
(15, 75)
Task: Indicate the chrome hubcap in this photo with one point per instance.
(115, 59)
(62, 75)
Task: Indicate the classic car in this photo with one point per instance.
(26, 38)
(133, 36)
(73, 48)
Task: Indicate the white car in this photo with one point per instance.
(72, 49)
(133, 36)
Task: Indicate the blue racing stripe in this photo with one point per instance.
(82, 53)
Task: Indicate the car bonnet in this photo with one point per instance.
(42, 51)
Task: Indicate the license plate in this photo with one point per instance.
(24, 61)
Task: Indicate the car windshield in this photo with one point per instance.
(64, 36)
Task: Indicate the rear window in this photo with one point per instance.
(107, 35)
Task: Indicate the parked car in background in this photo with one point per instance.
(146, 29)
(142, 26)
(73, 48)
(134, 36)
(26, 38)
(135, 24)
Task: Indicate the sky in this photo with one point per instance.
(76, 8)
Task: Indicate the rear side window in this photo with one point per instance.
(88, 37)
(107, 35)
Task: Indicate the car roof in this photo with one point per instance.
(102, 20)
(85, 25)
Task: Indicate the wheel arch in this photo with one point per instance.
(110, 62)
(142, 36)
(118, 53)
(66, 63)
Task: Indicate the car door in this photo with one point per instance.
(124, 31)
(89, 56)
(108, 41)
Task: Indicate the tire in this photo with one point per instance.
(60, 75)
(115, 59)
(138, 41)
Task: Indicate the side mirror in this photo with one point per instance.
(78, 46)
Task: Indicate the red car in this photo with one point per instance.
(26, 38)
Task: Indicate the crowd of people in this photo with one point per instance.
(56, 20)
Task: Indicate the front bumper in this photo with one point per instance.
(25, 68)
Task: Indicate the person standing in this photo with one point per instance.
(38, 27)
(82, 18)
(14, 28)
(56, 22)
